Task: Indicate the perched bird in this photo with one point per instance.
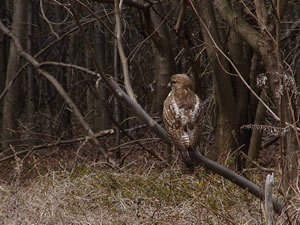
(182, 116)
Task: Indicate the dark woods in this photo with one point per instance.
(75, 69)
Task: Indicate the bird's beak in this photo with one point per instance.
(169, 84)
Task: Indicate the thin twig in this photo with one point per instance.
(9, 85)
(47, 20)
(256, 164)
(59, 142)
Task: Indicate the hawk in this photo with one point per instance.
(182, 116)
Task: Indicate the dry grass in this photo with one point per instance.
(144, 192)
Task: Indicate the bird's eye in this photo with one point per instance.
(171, 83)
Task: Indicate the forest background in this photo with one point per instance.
(81, 75)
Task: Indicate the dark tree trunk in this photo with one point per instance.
(240, 54)
(100, 57)
(3, 54)
(256, 136)
(224, 92)
(30, 73)
(164, 63)
(12, 100)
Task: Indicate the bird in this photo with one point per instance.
(182, 116)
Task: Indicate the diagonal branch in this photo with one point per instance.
(138, 110)
(236, 179)
(134, 3)
(123, 97)
(254, 38)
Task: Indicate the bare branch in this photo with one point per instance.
(180, 18)
(83, 69)
(57, 143)
(46, 19)
(134, 3)
(138, 110)
(249, 34)
(123, 58)
(99, 19)
(262, 14)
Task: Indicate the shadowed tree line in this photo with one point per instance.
(76, 68)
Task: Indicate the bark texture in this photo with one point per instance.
(164, 63)
(12, 100)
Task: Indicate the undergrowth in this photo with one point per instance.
(86, 193)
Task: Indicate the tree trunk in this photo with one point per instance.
(30, 73)
(184, 37)
(224, 92)
(11, 104)
(240, 54)
(256, 136)
(100, 57)
(289, 147)
(164, 63)
(297, 75)
(3, 50)
(62, 114)
(117, 104)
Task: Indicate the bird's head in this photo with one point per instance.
(180, 81)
